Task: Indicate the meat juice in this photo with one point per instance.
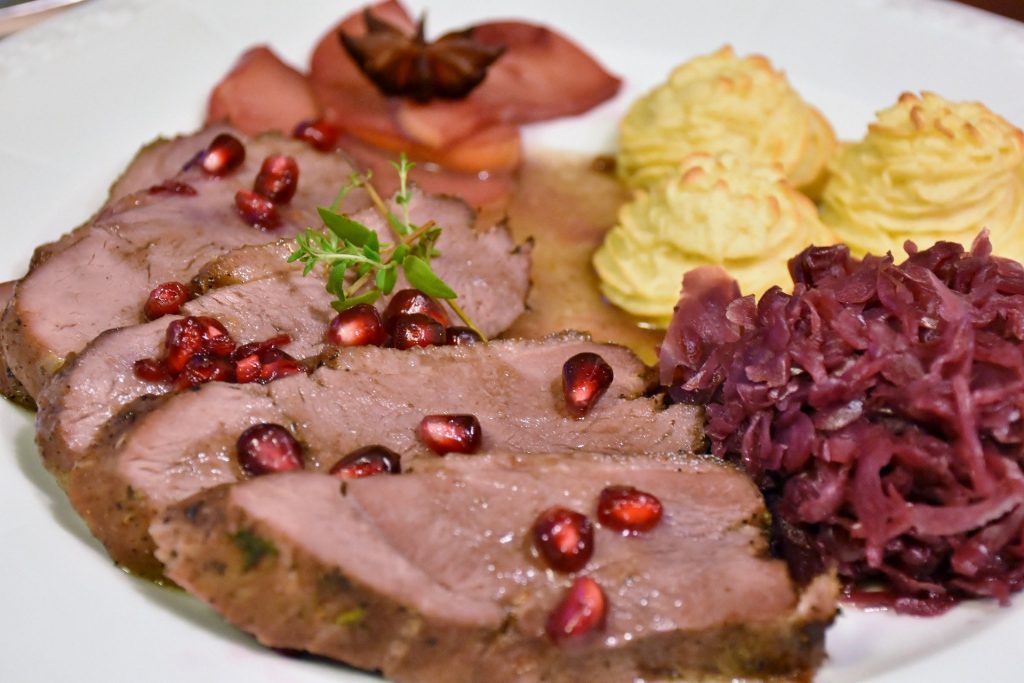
(567, 204)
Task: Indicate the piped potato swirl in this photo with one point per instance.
(928, 170)
(717, 209)
(721, 103)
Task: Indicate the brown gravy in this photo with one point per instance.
(567, 206)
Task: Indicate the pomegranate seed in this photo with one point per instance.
(151, 370)
(461, 336)
(360, 325)
(261, 347)
(202, 368)
(408, 301)
(416, 329)
(247, 369)
(275, 364)
(319, 133)
(585, 378)
(268, 448)
(366, 462)
(278, 179)
(224, 154)
(173, 187)
(583, 609)
(184, 339)
(629, 510)
(450, 433)
(165, 299)
(257, 210)
(564, 538)
(216, 339)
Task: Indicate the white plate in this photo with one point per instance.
(79, 93)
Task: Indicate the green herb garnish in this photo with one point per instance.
(360, 269)
(253, 547)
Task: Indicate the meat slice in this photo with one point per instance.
(158, 451)
(101, 280)
(156, 161)
(161, 159)
(10, 387)
(257, 294)
(98, 382)
(428, 576)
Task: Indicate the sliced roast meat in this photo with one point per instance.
(428, 576)
(490, 272)
(162, 159)
(101, 279)
(155, 162)
(10, 387)
(245, 264)
(98, 382)
(160, 450)
(257, 294)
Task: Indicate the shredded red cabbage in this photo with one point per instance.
(879, 406)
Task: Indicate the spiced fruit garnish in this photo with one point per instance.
(403, 65)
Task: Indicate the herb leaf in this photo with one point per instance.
(423, 278)
(386, 280)
(254, 547)
(359, 268)
(365, 298)
(346, 228)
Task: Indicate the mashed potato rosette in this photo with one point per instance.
(723, 103)
(929, 170)
(718, 210)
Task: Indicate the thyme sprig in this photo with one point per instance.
(361, 269)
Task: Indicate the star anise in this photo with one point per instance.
(408, 66)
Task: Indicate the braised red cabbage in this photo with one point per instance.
(879, 406)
